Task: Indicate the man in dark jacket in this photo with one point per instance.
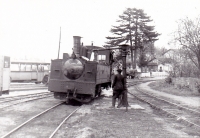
(118, 86)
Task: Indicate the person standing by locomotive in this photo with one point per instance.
(118, 87)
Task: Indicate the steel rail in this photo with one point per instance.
(12, 98)
(192, 110)
(168, 112)
(51, 136)
(34, 98)
(134, 84)
(20, 126)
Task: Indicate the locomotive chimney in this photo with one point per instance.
(77, 44)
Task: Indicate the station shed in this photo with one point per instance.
(4, 74)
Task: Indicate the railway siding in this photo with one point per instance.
(183, 109)
(44, 124)
(14, 100)
(185, 100)
(15, 115)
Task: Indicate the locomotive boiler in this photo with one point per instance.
(82, 75)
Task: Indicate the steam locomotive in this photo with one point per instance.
(83, 75)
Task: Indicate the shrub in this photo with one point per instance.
(168, 80)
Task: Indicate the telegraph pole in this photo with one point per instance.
(59, 44)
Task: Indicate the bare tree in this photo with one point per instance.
(188, 36)
(181, 64)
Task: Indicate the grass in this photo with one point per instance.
(178, 90)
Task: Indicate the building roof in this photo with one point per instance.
(94, 47)
(152, 64)
(29, 62)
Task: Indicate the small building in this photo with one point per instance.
(165, 67)
(150, 67)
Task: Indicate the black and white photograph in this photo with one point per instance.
(99, 69)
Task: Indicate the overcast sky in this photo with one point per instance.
(31, 28)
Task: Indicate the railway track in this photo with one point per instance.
(44, 124)
(10, 101)
(185, 115)
(133, 83)
(26, 86)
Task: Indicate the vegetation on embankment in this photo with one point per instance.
(179, 86)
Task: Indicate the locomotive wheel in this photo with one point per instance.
(45, 79)
(68, 101)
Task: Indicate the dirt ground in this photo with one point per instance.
(97, 120)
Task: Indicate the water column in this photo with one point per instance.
(125, 96)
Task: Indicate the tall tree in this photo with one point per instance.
(133, 29)
(147, 54)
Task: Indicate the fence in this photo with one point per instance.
(154, 74)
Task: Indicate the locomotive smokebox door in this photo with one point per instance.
(73, 68)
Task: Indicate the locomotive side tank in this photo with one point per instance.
(79, 78)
